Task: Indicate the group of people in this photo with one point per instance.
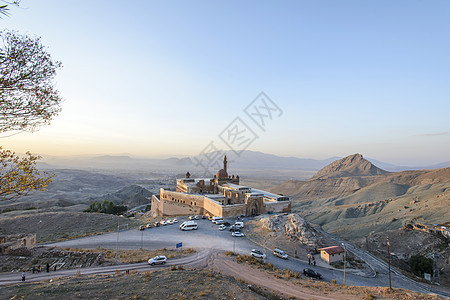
(37, 269)
(311, 259)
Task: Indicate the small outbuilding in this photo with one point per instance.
(332, 254)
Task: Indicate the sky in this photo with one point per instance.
(164, 78)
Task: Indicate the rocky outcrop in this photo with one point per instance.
(292, 226)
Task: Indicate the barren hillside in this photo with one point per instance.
(352, 197)
(352, 165)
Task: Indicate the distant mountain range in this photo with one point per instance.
(247, 160)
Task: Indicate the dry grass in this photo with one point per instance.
(158, 284)
(134, 256)
(323, 287)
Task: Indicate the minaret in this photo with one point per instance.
(225, 163)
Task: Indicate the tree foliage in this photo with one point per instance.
(28, 98)
(419, 264)
(19, 176)
(106, 207)
(4, 9)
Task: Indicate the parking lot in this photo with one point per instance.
(206, 236)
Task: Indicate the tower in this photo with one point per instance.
(225, 163)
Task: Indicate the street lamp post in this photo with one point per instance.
(345, 259)
(389, 262)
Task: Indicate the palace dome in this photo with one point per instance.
(222, 174)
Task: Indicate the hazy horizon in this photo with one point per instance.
(151, 78)
(233, 156)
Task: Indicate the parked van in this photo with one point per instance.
(188, 226)
(186, 223)
(215, 219)
(239, 224)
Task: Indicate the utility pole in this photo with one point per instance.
(345, 259)
(142, 239)
(117, 241)
(389, 262)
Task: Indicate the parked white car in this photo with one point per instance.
(280, 253)
(258, 254)
(175, 220)
(157, 260)
(222, 227)
(237, 233)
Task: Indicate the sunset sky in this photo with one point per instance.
(163, 78)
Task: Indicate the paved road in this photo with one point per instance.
(209, 237)
(198, 259)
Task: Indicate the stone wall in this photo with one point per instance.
(212, 208)
(233, 210)
(12, 242)
(177, 209)
(278, 206)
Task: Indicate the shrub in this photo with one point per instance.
(419, 264)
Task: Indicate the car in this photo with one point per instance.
(163, 223)
(175, 221)
(218, 222)
(142, 227)
(311, 273)
(157, 260)
(191, 217)
(169, 222)
(149, 225)
(210, 218)
(233, 228)
(203, 217)
(239, 224)
(156, 224)
(257, 254)
(196, 217)
(237, 233)
(280, 253)
(222, 227)
(226, 224)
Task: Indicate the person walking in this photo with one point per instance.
(48, 268)
(23, 276)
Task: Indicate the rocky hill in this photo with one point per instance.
(352, 165)
(133, 195)
(352, 198)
